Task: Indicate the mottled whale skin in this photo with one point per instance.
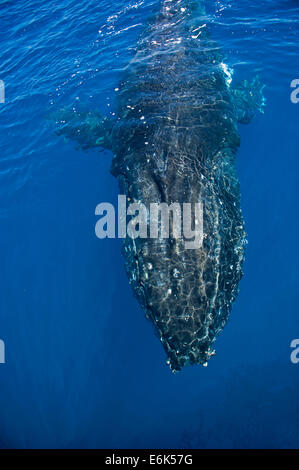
(175, 139)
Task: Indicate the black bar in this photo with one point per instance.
(153, 458)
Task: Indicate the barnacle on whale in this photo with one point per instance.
(174, 140)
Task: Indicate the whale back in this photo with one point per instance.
(174, 141)
(176, 138)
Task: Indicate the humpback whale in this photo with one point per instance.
(174, 139)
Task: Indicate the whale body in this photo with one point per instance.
(174, 140)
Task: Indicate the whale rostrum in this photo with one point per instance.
(174, 140)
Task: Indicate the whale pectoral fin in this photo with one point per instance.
(89, 129)
(248, 99)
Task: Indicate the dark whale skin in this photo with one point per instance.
(182, 150)
(175, 140)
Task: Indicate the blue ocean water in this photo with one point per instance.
(83, 367)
